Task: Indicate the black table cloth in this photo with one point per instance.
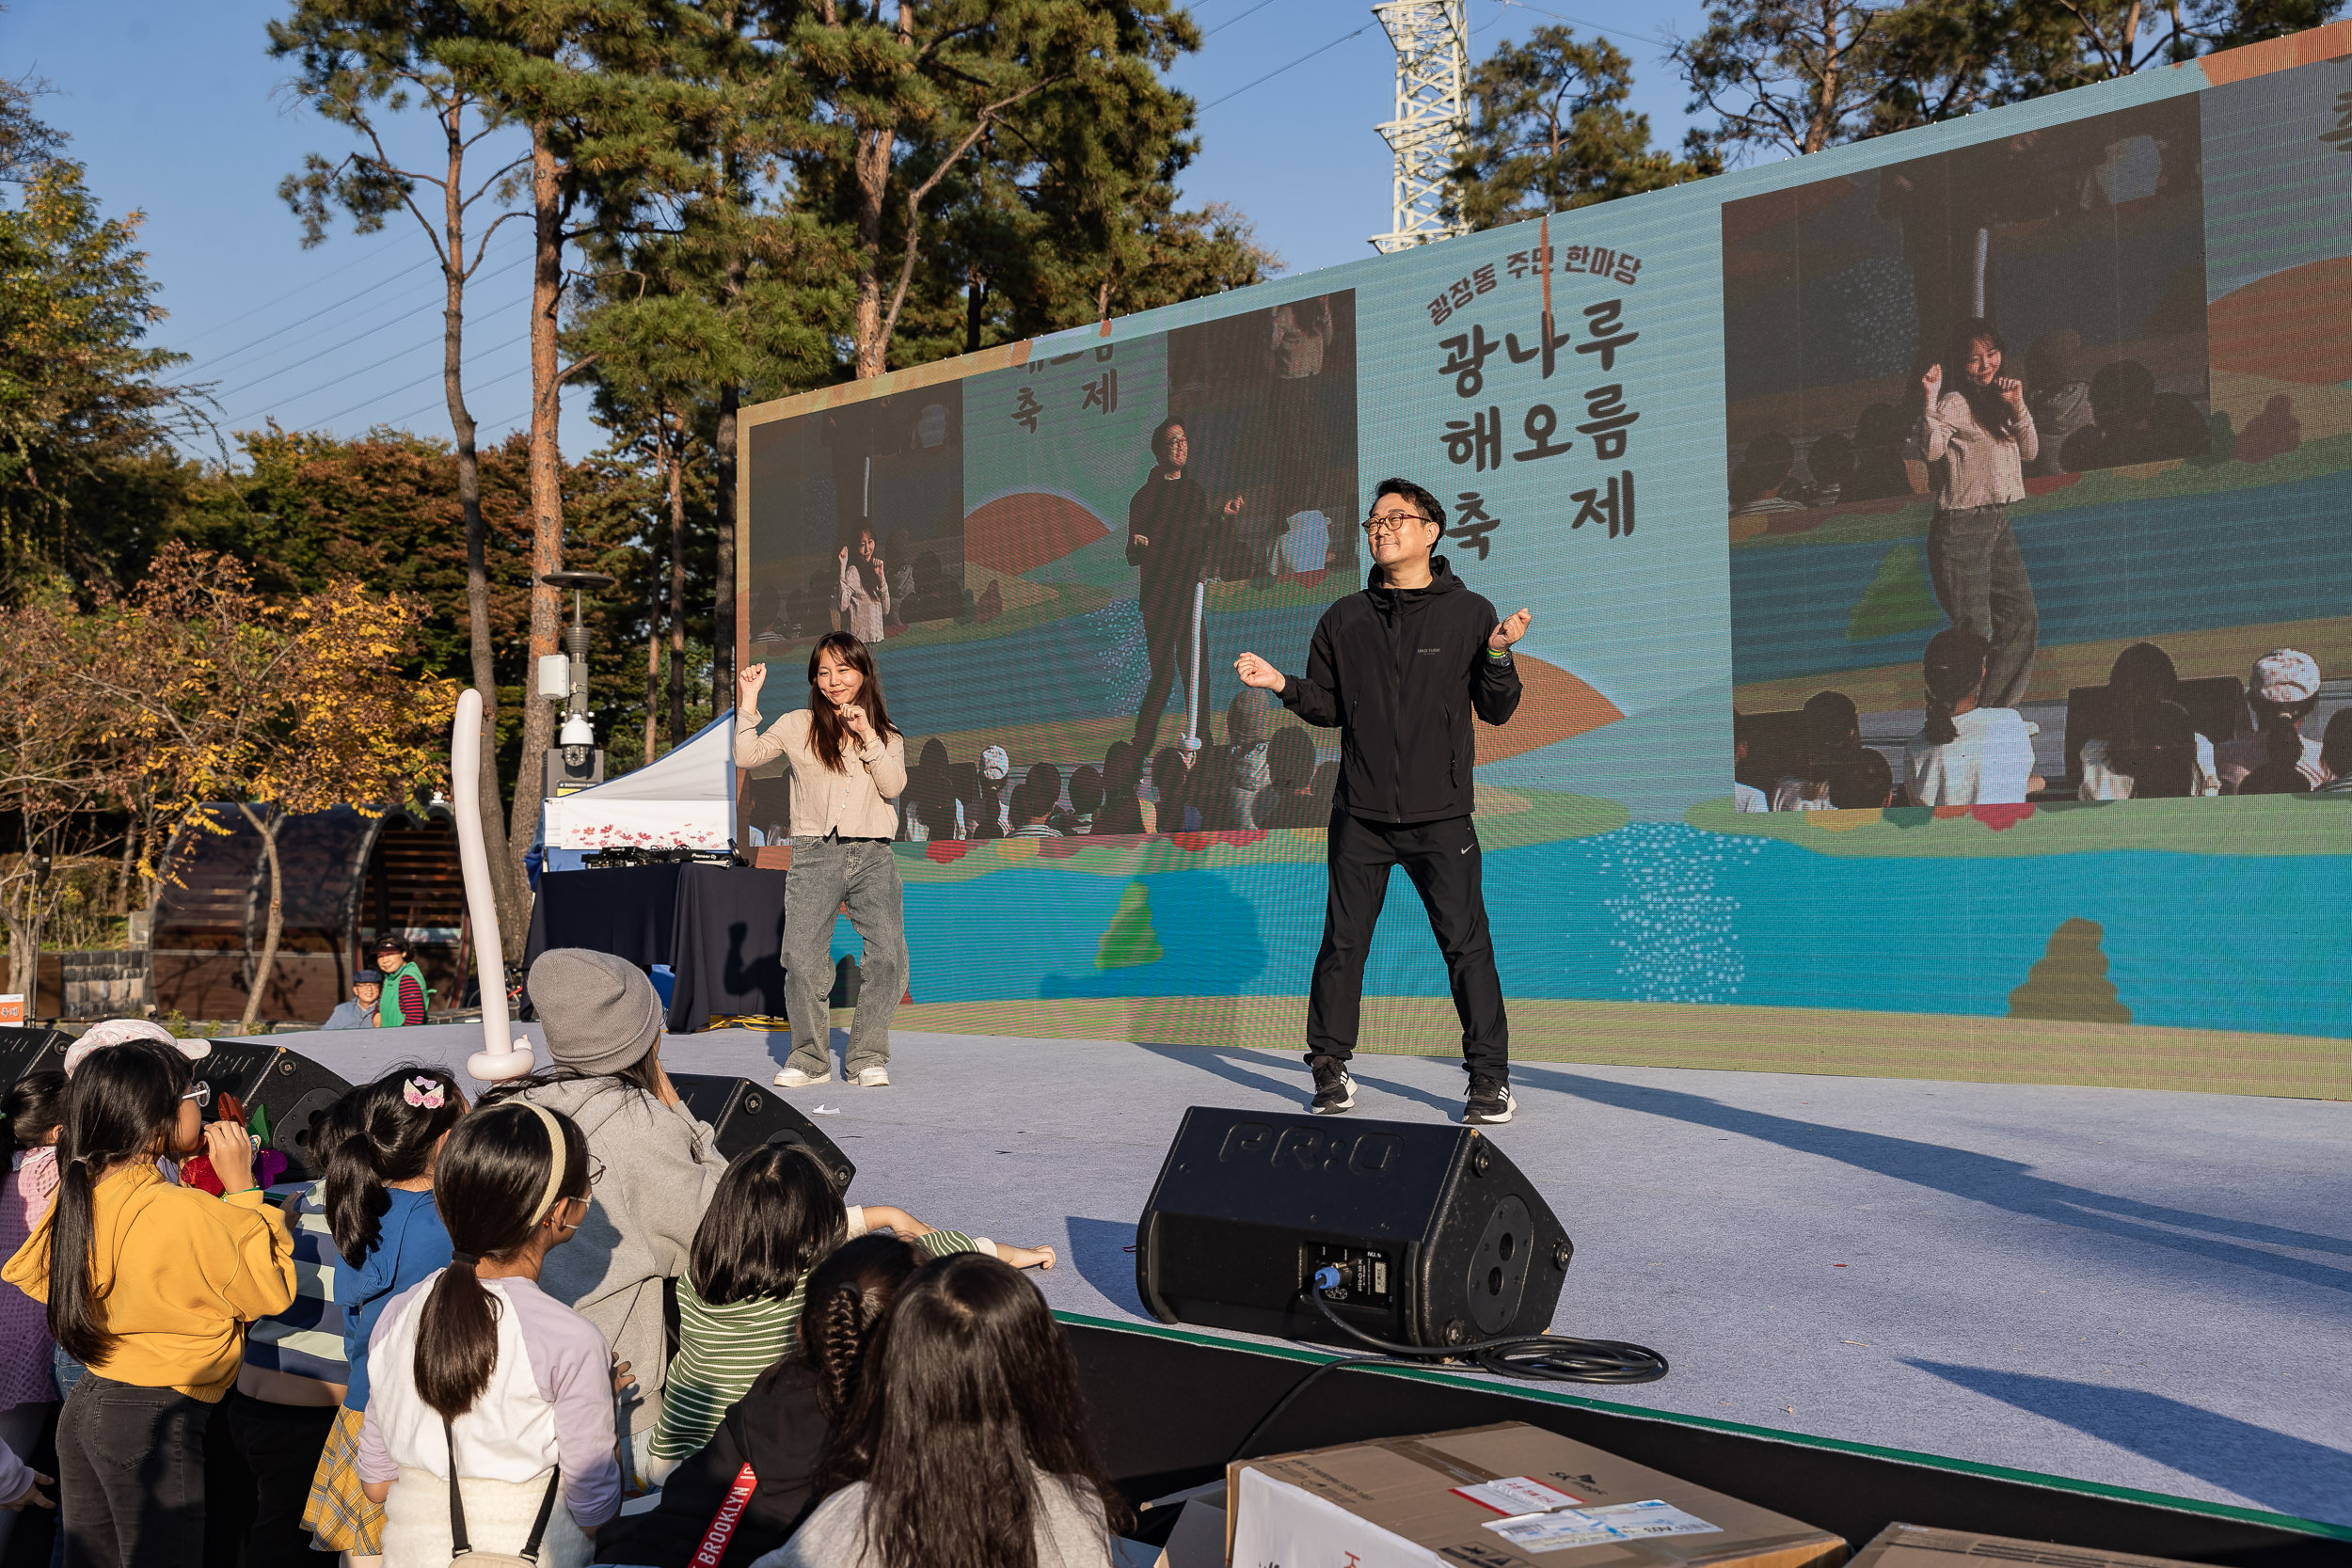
(629, 911)
(719, 928)
(726, 950)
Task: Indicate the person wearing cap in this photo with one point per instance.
(849, 763)
(1401, 668)
(2282, 690)
(360, 1011)
(601, 1020)
(995, 795)
(402, 1003)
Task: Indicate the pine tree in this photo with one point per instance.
(586, 79)
(361, 64)
(1549, 132)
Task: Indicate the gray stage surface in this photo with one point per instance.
(2130, 1288)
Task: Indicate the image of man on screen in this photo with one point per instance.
(1173, 532)
(1399, 668)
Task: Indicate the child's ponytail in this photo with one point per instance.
(121, 1106)
(2282, 730)
(504, 1168)
(381, 1132)
(848, 1293)
(35, 1107)
(1954, 671)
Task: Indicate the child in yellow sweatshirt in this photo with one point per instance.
(151, 1285)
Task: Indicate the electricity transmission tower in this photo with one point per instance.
(1432, 42)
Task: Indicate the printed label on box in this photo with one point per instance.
(1561, 1529)
(1516, 1494)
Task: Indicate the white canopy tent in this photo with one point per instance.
(683, 801)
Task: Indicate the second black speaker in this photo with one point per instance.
(744, 1115)
(1437, 1236)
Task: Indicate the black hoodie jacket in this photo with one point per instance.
(778, 1430)
(1400, 671)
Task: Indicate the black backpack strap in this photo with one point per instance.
(547, 1511)
(459, 1544)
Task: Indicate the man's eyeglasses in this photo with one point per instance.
(1390, 522)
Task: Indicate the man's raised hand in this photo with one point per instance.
(1510, 631)
(1256, 672)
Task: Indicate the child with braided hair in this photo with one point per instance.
(775, 1215)
(744, 1492)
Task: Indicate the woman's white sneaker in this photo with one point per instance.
(793, 1078)
(874, 1078)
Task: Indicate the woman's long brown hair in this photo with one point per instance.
(825, 729)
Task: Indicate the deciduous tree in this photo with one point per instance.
(280, 708)
(81, 394)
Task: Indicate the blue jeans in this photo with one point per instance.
(826, 874)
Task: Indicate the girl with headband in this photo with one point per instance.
(490, 1401)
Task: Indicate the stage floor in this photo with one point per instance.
(2129, 1287)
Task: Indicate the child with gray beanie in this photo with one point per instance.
(602, 1023)
(654, 1169)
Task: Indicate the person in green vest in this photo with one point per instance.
(402, 1002)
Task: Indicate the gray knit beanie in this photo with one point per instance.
(600, 1012)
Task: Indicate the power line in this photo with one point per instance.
(319, 354)
(1279, 69)
(333, 382)
(428, 407)
(1587, 22)
(381, 394)
(1230, 20)
(274, 303)
(409, 272)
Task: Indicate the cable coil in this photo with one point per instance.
(1535, 1357)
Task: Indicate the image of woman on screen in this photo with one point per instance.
(1976, 435)
(865, 589)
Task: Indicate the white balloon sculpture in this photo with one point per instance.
(504, 1055)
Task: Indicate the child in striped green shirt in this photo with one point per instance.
(776, 1216)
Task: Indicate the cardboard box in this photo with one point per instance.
(1917, 1546)
(1509, 1496)
(1199, 1538)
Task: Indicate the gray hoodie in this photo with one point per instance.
(660, 1168)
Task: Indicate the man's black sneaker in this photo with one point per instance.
(1335, 1091)
(1490, 1100)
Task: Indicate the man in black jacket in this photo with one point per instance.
(1399, 668)
(1178, 535)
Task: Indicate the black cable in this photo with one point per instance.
(1537, 1357)
(1241, 1450)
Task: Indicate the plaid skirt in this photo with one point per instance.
(338, 1515)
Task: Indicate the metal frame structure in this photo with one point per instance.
(1432, 42)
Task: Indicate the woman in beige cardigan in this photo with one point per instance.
(849, 762)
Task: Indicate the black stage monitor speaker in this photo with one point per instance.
(27, 1050)
(1438, 1238)
(746, 1115)
(291, 1088)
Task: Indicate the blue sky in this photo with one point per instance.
(179, 111)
